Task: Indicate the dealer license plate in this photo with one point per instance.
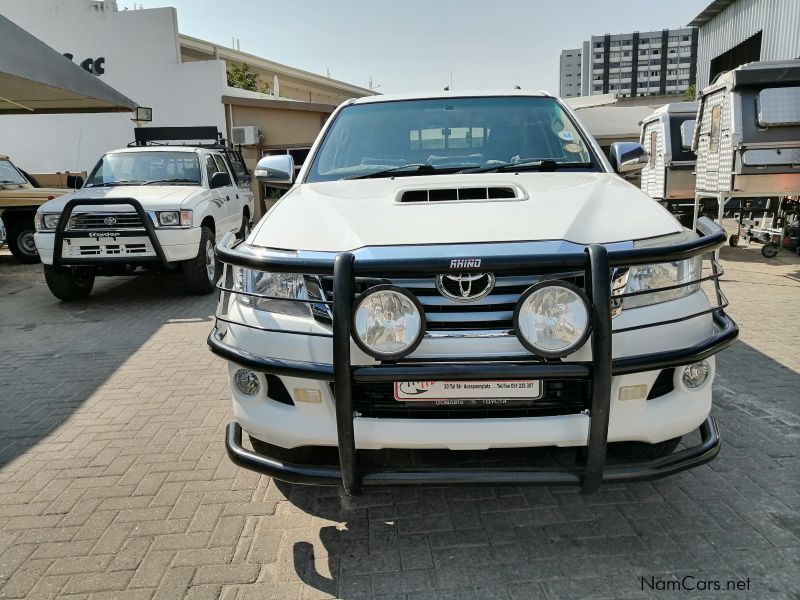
(411, 391)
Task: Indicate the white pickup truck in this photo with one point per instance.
(152, 207)
(468, 272)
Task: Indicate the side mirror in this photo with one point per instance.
(628, 156)
(219, 179)
(277, 169)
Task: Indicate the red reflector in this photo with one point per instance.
(50, 197)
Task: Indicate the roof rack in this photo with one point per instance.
(195, 137)
(201, 137)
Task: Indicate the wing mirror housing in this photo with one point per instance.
(219, 179)
(276, 170)
(627, 157)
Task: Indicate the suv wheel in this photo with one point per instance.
(21, 242)
(200, 273)
(246, 227)
(69, 283)
(641, 451)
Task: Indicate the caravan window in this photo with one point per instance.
(651, 161)
(687, 133)
(716, 115)
(778, 106)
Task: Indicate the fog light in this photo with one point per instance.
(247, 382)
(306, 395)
(695, 374)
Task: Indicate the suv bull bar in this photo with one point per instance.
(596, 261)
(147, 228)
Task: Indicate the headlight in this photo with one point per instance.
(276, 285)
(388, 322)
(642, 278)
(175, 218)
(552, 319)
(46, 221)
(661, 275)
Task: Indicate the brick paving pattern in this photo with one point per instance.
(114, 481)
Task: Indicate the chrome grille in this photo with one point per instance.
(494, 312)
(123, 220)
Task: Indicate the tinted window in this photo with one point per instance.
(139, 167)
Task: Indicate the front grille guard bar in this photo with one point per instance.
(147, 227)
(596, 261)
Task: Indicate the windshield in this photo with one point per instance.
(9, 174)
(447, 135)
(136, 168)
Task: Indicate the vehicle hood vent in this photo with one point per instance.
(462, 194)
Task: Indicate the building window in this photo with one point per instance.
(598, 88)
(655, 52)
(598, 44)
(653, 73)
(643, 53)
(673, 51)
(686, 38)
(598, 55)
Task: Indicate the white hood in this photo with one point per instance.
(152, 197)
(584, 208)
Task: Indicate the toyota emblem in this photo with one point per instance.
(465, 287)
(110, 221)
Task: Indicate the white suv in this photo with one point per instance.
(146, 206)
(467, 272)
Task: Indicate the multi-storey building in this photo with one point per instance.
(638, 64)
(569, 70)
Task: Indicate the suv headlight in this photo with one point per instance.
(175, 218)
(46, 221)
(277, 286)
(676, 276)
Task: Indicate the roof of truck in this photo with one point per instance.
(449, 94)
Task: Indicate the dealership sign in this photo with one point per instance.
(95, 66)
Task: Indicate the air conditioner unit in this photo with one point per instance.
(245, 136)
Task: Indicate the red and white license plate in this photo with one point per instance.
(410, 391)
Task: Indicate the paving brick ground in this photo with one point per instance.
(114, 482)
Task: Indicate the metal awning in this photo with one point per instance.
(35, 79)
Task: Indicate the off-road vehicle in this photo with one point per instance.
(19, 199)
(147, 207)
(468, 272)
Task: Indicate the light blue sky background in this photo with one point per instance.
(412, 45)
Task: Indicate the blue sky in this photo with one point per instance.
(414, 45)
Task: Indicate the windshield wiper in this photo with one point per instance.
(113, 183)
(417, 168)
(176, 180)
(535, 165)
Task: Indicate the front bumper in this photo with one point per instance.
(100, 247)
(705, 451)
(599, 371)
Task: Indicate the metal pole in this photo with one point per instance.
(343, 284)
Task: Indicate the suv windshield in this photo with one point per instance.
(422, 137)
(136, 168)
(9, 174)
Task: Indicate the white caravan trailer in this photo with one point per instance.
(748, 135)
(668, 176)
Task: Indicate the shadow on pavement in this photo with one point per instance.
(55, 355)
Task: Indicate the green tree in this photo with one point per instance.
(690, 93)
(240, 76)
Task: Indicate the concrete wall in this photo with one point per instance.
(141, 54)
(778, 21)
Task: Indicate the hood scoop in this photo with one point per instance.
(461, 194)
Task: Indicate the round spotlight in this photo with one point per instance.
(388, 322)
(552, 318)
(695, 375)
(246, 382)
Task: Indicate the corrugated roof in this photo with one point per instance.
(709, 12)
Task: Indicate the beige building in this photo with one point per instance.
(288, 118)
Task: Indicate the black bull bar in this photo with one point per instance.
(596, 261)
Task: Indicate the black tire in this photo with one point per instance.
(200, 273)
(246, 227)
(20, 241)
(733, 241)
(641, 451)
(769, 250)
(69, 283)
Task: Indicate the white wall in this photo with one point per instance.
(141, 61)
